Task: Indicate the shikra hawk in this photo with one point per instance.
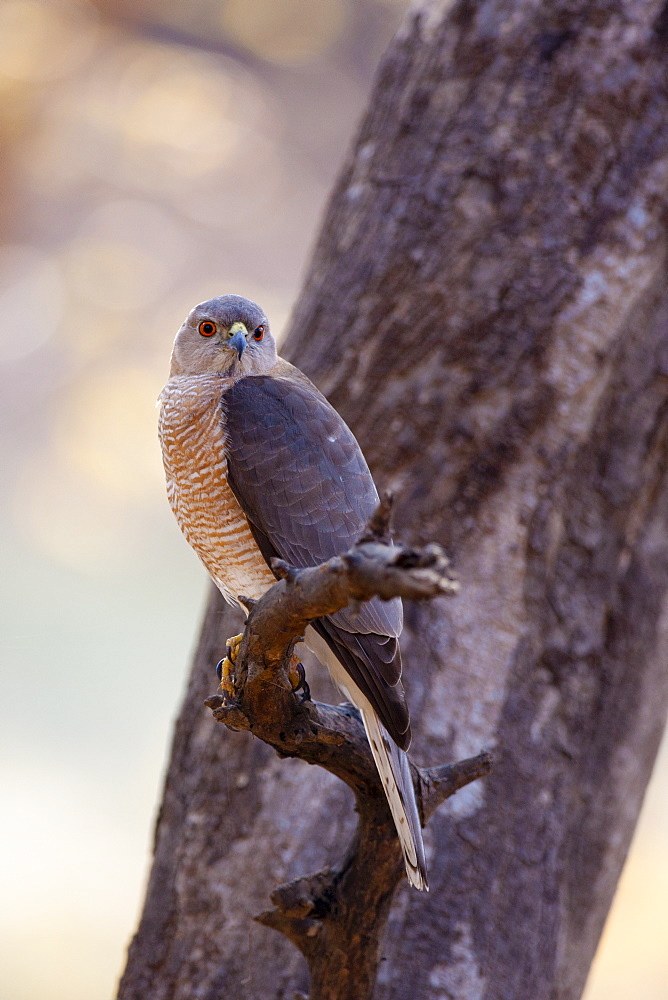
(258, 464)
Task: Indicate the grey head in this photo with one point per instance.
(228, 335)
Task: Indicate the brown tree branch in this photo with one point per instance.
(336, 917)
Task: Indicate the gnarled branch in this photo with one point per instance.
(336, 917)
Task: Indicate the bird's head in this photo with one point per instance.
(226, 336)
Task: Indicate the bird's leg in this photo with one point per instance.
(297, 678)
(225, 668)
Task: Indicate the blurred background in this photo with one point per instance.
(152, 154)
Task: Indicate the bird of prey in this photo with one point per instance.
(258, 465)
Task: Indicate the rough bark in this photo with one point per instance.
(488, 308)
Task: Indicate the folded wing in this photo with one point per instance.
(303, 484)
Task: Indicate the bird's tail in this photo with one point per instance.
(392, 764)
(395, 774)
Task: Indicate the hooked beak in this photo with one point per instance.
(237, 341)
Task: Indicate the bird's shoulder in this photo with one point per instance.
(283, 393)
(283, 369)
(279, 381)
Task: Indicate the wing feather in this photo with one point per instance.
(302, 481)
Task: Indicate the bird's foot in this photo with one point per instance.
(297, 678)
(225, 671)
(225, 667)
(232, 650)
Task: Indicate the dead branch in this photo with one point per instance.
(337, 916)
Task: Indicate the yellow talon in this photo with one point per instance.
(225, 669)
(226, 666)
(233, 647)
(226, 674)
(297, 678)
(294, 673)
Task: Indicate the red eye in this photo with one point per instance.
(207, 328)
(258, 333)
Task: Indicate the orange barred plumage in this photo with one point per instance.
(193, 449)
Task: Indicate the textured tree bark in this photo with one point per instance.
(488, 308)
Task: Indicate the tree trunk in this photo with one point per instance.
(488, 308)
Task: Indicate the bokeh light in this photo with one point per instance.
(40, 42)
(31, 300)
(285, 31)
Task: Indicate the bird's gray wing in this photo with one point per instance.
(302, 481)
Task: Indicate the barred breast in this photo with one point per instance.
(193, 451)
